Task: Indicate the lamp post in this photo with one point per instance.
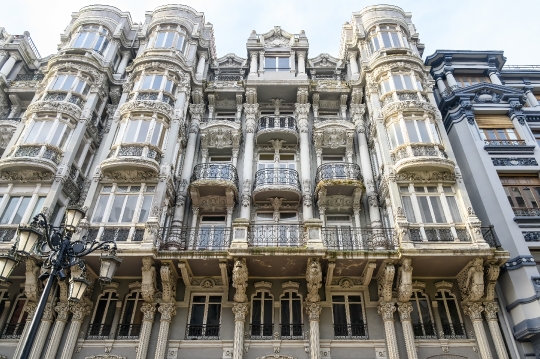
(54, 244)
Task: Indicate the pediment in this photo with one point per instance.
(325, 61)
(230, 60)
(486, 92)
(277, 38)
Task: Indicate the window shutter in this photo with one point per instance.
(493, 121)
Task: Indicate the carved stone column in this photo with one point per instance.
(314, 312)
(62, 309)
(43, 332)
(79, 310)
(250, 111)
(149, 310)
(302, 110)
(240, 311)
(490, 312)
(167, 310)
(405, 310)
(31, 309)
(474, 311)
(386, 311)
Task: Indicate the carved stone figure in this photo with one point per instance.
(405, 280)
(239, 278)
(32, 285)
(148, 284)
(314, 280)
(475, 280)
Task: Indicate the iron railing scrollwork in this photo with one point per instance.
(350, 331)
(52, 154)
(514, 161)
(7, 234)
(277, 176)
(13, 331)
(526, 212)
(342, 170)
(504, 142)
(204, 331)
(276, 235)
(261, 331)
(451, 331)
(488, 232)
(291, 331)
(117, 234)
(214, 171)
(27, 151)
(202, 238)
(128, 331)
(99, 331)
(130, 151)
(277, 122)
(349, 239)
(147, 96)
(424, 331)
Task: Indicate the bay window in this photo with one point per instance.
(277, 63)
(142, 131)
(68, 82)
(387, 36)
(93, 37)
(430, 204)
(170, 37)
(124, 204)
(53, 132)
(523, 193)
(412, 131)
(17, 207)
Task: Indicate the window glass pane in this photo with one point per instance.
(169, 39)
(160, 39)
(454, 209)
(340, 316)
(519, 198)
(10, 208)
(435, 133)
(531, 201)
(395, 39)
(30, 138)
(392, 136)
(147, 82)
(424, 209)
(386, 39)
(129, 209)
(43, 132)
(80, 39)
(419, 86)
(283, 63)
(157, 82)
(423, 131)
(296, 312)
(270, 63)
(408, 82)
(397, 82)
(168, 86)
(197, 314)
(256, 312)
(100, 208)
(145, 209)
(355, 312)
(89, 39)
(511, 134)
(268, 305)
(80, 86)
(180, 43)
(437, 209)
(375, 41)
(20, 211)
(97, 46)
(214, 311)
(131, 131)
(399, 134)
(405, 42)
(116, 209)
(66, 86)
(156, 135)
(39, 206)
(411, 130)
(86, 162)
(143, 131)
(407, 206)
(59, 81)
(58, 133)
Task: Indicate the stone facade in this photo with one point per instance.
(276, 205)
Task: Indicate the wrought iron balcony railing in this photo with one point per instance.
(440, 234)
(47, 152)
(526, 212)
(202, 238)
(155, 96)
(369, 239)
(214, 171)
(277, 176)
(99, 331)
(424, 331)
(488, 232)
(137, 150)
(128, 331)
(341, 170)
(276, 235)
(277, 122)
(291, 331)
(350, 331)
(13, 331)
(453, 331)
(202, 332)
(261, 331)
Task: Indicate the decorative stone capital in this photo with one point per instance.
(473, 310)
(490, 310)
(62, 309)
(405, 310)
(48, 313)
(314, 311)
(149, 310)
(167, 310)
(30, 308)
(240, 311)
(79, 310)
(386, 311)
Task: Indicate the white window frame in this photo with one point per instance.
(205, 316)
(100, 31)
(347, 312)
(263, 292)
(277, 57)
(110, 300)
(179, 32)
(376, 32)
(143, 191)
(55, 123)
(446, 295)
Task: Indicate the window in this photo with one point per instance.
(16, 208)
(101, 323)
(170, 37)
(403, 82)
(54, 132)
(124, 204)
(286, 161)
(497, 130)
(277, 63)
(418, 131)
(70, 83)
(17, 321)
(205, 317)
(348, 317)
(130, 322)
(451, 320)
(523, 193)
(157, 83)
(262, 315)
(431, 202)
(499, 135)
(387, 36)
(421, 317)
(84, 157)
(291, 316)
(143, 131)
(212, 233)
(464, 81)
(395, 133)
(430, 205)
(92, 37)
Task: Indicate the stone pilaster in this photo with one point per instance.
(43, 332)
(62, 310)
(240, 311)
(490, 312)
(474, 311)
(31, 309)
(79, 310)
(302, 111)
(386, 311)
(405, 310)
(167, 310)
(313, 305)
(149, 310)
(314, 311)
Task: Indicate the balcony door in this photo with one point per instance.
(336, 167)
(277, 172)
(339, 232)
(211, 233)
(220, 167)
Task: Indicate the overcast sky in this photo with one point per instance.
(511, 26)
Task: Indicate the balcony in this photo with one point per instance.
(508, 147)
(134, 156)
(276, 235)
(421, 157)
(213, 179)
(26, 82)
(40, 158)
(338, 178)
(195, 239)
(261, 331)
(350, 331)
(99, 331)
(280, 127)
(439, 234)
(359, 239)
(291, 331)
(117, 234)
(128, 331)
(277, 182)
(202, 332)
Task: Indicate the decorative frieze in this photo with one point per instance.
(514, 161)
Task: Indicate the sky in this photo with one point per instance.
(511, 26)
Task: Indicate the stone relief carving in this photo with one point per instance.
(384, 282)
(314, 280)
(239, 278)
(405, 280)
(471, 280)
(148, 283)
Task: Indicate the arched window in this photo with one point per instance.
(17, 319)
(262, 315)
(170, 37)
(93, 37)
(102, 320)
(292, 323)
(451, 320)
(421, 316)
(131, 320)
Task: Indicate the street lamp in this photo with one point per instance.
(59, 252)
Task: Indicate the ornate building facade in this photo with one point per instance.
(278, 205)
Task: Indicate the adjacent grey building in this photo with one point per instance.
(272, 204)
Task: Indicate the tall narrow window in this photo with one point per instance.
(348, 316)
(131, 320)
(205, 317)
(451, 320)
(422, 319)
(15, 210)
(291, 316)
(101, 323)
(262, 316)
(17, 321)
